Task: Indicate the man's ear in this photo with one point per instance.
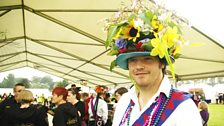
(161, 65)
(60, 96)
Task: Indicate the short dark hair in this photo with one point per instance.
(73, 85)
(75, 92)
(121, 90)
(85, 94)
(163, 61)
(20, 84)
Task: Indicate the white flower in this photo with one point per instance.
(138, 22)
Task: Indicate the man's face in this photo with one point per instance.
(117, 96)
(145, 70)
(17, 90)
(70, 97)
(85, 98)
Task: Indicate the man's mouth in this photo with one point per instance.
(137, 74)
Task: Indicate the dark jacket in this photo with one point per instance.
(7, 109)
(31, 116)
(81, 108)
(66, 115)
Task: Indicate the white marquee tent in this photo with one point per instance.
(65, 38)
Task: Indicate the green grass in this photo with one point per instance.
(216, 117)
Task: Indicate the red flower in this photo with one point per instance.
(98, 89)
(138, 45)
(122, 50)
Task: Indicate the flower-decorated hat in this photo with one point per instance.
(144, 29)
(101, 89)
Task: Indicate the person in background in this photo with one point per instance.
(65, 114)
(86, 99)
(74, 98)
(195, 98)
(8, 106)
(217, 97)
(220, 98)
(223, 98)
(119, 92)
(29, 114)
(98, 109)
(73, 86)
(107, 98)
(203, 109)
(4, 96)
(145, 40)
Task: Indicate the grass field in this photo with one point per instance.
(216, 115)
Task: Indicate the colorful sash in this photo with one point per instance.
(176, 98)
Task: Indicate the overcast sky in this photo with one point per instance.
(206, 15)
(27, 72)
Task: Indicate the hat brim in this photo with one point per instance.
(122, 59)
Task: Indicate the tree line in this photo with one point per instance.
(45, 82)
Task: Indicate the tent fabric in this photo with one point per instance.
(65, 39)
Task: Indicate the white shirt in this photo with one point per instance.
(102, 110)
(186, 114)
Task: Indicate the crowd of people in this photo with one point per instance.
(219, 97)
(68, 107)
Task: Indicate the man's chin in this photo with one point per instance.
(141, 83)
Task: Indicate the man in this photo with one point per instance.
(98, 109)
(76, 102)
(8, 106)
(73, 86)
(145, 42)
(65, 114)
(119, 92)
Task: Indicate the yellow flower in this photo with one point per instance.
(170, 36)
(156, 24)
(117, 35)
(176, 50)
(159, 48)
(130, 31)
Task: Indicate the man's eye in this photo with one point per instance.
(132, 60)
(148, 58)
(19, 90)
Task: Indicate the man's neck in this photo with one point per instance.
(146, 93)
(74, 101)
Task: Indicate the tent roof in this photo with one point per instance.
(66, 39)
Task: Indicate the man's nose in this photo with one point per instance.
(139, 64)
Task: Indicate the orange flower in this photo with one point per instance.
(101, 89)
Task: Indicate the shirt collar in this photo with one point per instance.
(165, 86)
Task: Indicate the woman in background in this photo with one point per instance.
(28, 114)
(74, 98)
(203, 108)
(65, 114)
